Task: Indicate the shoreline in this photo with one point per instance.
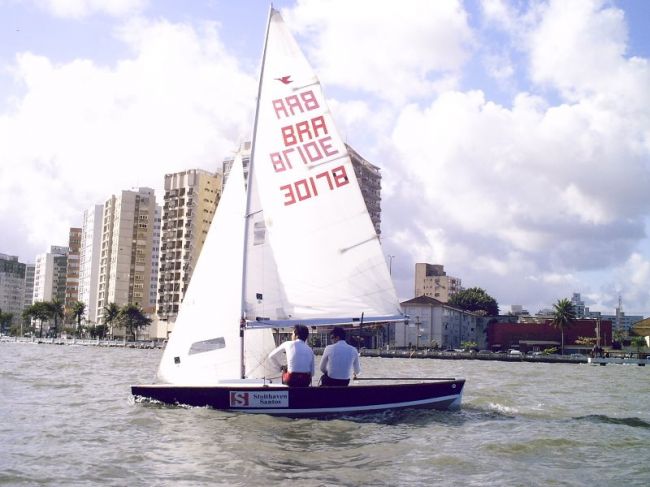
(364, 352)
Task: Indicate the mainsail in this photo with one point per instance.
(325, 264)
(294, 244)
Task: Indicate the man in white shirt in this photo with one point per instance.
(300, 359)
(339, 361)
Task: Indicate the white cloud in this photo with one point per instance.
(83, 131)
(394, 51)
(532, 197)
(536, 191)
(82, 8)
(579, 47)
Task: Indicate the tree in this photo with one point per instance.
(476, 300)
(40, 311)
(637, 342)
(78, 310)
(469, 345)
(132, 319)
(111, 313)
(56, 311)
(5, 321)
(563, 317)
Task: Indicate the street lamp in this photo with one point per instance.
(390, 264)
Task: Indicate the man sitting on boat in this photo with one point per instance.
(339, 361)
(300, 359)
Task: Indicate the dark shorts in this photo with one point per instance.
(326, 380)
(296, 379)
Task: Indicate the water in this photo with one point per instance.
(67, 418)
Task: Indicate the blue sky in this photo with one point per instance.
(513, 136)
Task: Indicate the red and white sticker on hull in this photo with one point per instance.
(259, 399)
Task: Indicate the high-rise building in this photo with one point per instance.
(368, 175)
(126, 247)
(72, 270)
(89, 253)
(191, 198)
(12, 286)
(155, 258)
(432, 280)
(29, 285)
(50, 275)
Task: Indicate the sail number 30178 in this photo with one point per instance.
(306, 188)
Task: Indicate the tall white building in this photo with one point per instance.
(126, 248)
(50, 275)
(72, 270)
(29, 285)
(155, 258)
(91, 240)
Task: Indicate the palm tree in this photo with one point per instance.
(132, 319)
(56, 311)
(111, 312)
(563, 316)
(40, 311)
(78, 310)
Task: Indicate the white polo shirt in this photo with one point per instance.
(340, 360)
(300, 358)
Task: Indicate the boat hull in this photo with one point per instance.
(280, 400)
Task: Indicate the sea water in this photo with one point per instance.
(67, 418)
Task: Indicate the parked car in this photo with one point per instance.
(514, 352)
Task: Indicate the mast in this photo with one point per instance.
(251, 163)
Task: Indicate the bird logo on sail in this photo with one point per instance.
(285, 79)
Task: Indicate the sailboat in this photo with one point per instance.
(292, 243)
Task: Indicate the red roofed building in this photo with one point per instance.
(527, 336)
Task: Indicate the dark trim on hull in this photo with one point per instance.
(309, 401)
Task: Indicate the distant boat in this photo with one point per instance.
(294, 244)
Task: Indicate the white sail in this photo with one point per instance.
(324, 259)
(204, 347)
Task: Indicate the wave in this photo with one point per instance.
(604, 419)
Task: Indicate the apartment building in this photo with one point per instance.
(12, 286)
(431, 280)
(125, 267)
(50, 275)
(190, 201)
(30, 269)
(72, 269)
(436, 324)
(89, 253)
(369, 177)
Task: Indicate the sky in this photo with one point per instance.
(513, 136)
